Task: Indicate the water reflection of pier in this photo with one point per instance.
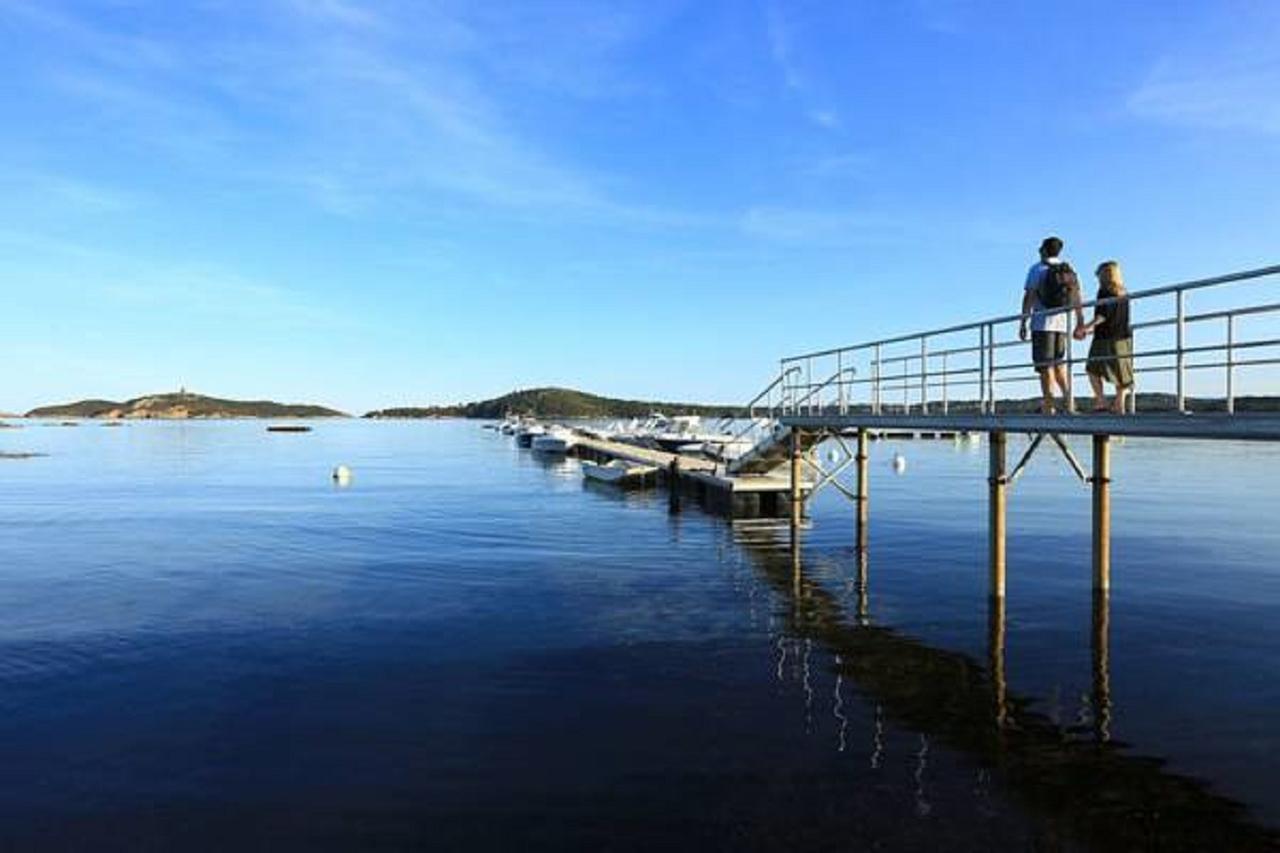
(1079, 778)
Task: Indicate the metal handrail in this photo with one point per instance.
(1196, 284)
(816, 387)
(917, 372)
(750, 407)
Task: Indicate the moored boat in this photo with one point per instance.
(528, 432)
(619, 472)
(557, 439)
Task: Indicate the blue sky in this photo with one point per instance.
(385, 203)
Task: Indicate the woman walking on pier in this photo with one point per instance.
(1111, 353)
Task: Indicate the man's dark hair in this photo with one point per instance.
(1050, 247)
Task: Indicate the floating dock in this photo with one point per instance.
(709, 483)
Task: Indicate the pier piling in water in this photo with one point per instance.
(1100, 695)
(995, 660)
(862, 488)
(797, 498)
(1102, 512)
(998, 481)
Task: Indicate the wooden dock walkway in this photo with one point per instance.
(639, 455)
(1202, 426)
(737, 496)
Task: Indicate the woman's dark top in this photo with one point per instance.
(1116, 319)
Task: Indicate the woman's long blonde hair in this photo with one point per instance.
(1110, 278)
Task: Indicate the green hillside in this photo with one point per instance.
(553, 402)
(180, 406)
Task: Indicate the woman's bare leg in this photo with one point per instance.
(1099, 393)
(1122, 394)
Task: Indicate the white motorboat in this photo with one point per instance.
(557, 439)
(619, 472)
(673, 432)
(528, 432)
(502, 426)
(636, 432)
(683, 436)
(726, 447)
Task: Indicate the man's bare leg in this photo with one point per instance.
(1046, 391)
(1064, 384)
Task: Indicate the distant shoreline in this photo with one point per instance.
(182, 406)
(537, 402)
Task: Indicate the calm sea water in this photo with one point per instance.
(205, 644)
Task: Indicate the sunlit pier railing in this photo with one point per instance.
(973, 366)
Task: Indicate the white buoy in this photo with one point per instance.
(342, 475)
(899, 463)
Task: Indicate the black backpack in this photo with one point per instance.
(1058, 285)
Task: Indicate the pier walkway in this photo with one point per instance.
(737, 496)
(978, 378)
(1218, 427)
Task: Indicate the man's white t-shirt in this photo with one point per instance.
(1040, 321)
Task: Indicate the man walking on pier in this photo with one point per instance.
(1051, 287)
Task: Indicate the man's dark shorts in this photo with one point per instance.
(1048, 349)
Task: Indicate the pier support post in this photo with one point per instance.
(797, 499)
(995, 661)
(998, 485)
(863, 590)
(863, 485)
(1102, 512)
(1101, 647)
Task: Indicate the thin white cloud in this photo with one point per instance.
(1238, 93)
(180, 288)
(782, 49)
(847, 165)
(824, 227)
(1226, 78)
(337, 12)
(125, 50)
(355, 108)
(204, 292)
(66, 193)
(824, 118)
(942, 16)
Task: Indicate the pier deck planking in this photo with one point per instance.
(1209, 427)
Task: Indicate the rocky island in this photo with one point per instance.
(182, 406)
(553, 402)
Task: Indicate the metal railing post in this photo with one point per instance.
(808, 382)
(924, 376)
(982, 370)
(944, 383)
(840, 382)
(1231, 364)
(991, 369)
(875, 384)
(1071, 363)
(1181, 356)
(906, 389)
(1132, 402)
